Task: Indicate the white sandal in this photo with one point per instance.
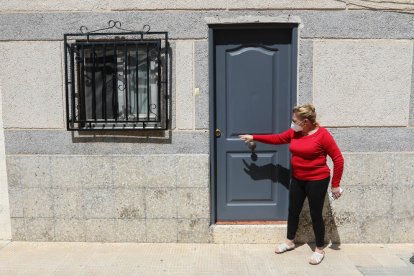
(316, 258)
(283, 247)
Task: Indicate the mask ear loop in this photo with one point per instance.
(303, 121)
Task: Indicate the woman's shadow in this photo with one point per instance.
(276, 173)
(282, 175)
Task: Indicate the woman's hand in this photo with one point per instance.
(336, 192)
(246, 138)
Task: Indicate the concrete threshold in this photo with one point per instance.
(248, 233)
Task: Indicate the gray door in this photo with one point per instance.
(254, 89)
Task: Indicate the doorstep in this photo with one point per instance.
(248, 233)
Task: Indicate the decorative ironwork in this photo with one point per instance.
(113, 24)
(116, 80)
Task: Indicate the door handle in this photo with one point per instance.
(217, 132)
(251, 145)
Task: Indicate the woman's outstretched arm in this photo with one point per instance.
(276, 139)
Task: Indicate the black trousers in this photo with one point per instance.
(315, 191)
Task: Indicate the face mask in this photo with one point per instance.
(296, 127)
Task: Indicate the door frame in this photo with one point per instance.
(212, 92)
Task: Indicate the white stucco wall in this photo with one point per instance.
(362, 82)
(32, 80)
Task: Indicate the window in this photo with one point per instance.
(116, 82)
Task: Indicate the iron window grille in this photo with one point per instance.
(116, 81)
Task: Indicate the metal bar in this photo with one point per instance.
(111, 122)
(104, 84)
(82, 108)
(101, 122)
(93, 83)
(166, 104)
(115, 87)
(136, 81)
(120, 128)
(159, 83)
(148, 84)
(126, 82)
(72, 72)
(66, 80)
(120, 33)
(119, 42)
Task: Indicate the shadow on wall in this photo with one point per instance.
(125, 136)
(282, 174)
(305, 230)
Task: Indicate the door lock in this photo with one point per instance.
(218, 132)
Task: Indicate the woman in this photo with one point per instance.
(309, 144)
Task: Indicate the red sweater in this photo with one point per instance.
(309, 153)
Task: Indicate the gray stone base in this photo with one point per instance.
(166, 198)
(131, 198)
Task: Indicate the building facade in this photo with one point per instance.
(353, 59)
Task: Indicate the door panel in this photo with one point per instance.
(253, 89)
(249, 83)
(258, 188)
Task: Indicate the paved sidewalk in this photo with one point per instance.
(55, 258)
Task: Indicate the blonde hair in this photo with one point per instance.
(306, 111)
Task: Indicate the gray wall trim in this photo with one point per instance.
(411, 109)
(316, 24)
(305, 93)
(252, 19)
(294, 68)
(371, 139)
(212, 124)
(354, 139)
(63, 142)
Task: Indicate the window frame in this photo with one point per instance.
(74, 106)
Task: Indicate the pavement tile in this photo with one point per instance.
(390, 260)
(3, 243)
(407, 258)
(386, 271)
(76, 258)
(362, 260)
